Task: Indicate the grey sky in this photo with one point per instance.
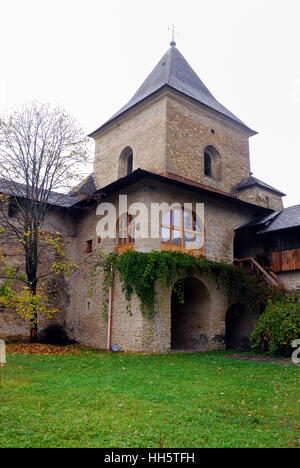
(91, 56)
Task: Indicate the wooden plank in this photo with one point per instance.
(124, 248)
(287, 260)
(177, 248)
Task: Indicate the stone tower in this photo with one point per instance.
(174, 125)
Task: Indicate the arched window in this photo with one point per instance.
(182, 231)
(212, 163)
(129, 164)
(207, 164)
(125, 163)
(126, 233)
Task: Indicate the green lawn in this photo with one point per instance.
(94, 399)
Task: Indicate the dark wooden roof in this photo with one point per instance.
(86, 188)
(173, 71)
(252, 181)
(19, 190)
(288, 218)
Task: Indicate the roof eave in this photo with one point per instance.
(140, 174)
(113, 119)
(271, 231)
(269, 189)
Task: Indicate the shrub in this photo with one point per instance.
(277, 327)
(55, 335)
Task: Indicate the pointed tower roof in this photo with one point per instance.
(174, 71)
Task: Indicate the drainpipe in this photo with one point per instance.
(110, 310)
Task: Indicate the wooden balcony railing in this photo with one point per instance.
(255, 268)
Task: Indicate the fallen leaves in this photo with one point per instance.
(42, 349)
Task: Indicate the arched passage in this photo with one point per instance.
(239, 325)
(190, 321)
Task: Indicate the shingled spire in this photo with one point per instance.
(173, 71)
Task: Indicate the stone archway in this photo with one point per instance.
(190, 322)
(240, 323)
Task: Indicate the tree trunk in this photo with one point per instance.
(33, 334)
(33, 325)
(31, 270)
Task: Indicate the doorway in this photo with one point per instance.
(190, 321)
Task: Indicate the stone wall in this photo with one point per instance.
(82, 312)
(143, 131)
(261, 197)
(12, 326)
(190, 130)
(291, 279)
(84, 320)
(167, 133)
(221, 217)
(170, 133)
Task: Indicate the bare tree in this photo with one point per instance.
(42, 151)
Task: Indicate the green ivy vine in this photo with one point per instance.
(139, 273)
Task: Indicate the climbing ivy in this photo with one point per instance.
(140, 272)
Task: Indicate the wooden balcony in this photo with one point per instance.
(125, 247)
(165, 246)
(286, 260)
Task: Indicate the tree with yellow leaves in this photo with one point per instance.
(42, 152)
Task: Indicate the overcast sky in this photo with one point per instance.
(90, 56)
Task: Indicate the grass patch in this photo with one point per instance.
(95, 399)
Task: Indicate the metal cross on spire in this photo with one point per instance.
(174, 34)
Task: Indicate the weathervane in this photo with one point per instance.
(174, 34)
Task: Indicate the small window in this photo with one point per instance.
(129, 163)
(181, 231)
(207, 164)
(126, 233)
(212, 163)
(125, 163)
(13, 209)
(89, 246)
